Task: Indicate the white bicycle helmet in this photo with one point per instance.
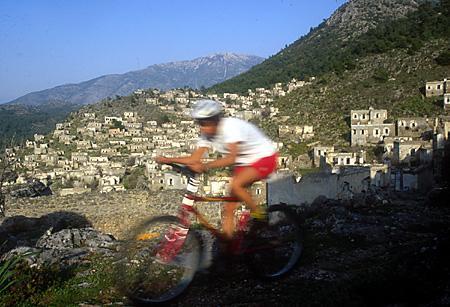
(206, 108)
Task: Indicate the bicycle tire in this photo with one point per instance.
(275, 246)
(142, 276)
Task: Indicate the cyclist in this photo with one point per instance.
(242, 145)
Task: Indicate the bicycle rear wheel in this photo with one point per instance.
(276, 246)
(147, 277)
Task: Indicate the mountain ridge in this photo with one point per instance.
(196, 73)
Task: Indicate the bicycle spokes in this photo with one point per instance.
(159, 261)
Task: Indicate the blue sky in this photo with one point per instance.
(47, 43)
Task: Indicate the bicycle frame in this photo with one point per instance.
(187, 207)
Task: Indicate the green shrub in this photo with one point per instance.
(8, 270)
(133, 177)
(381, 75)
(444, 58)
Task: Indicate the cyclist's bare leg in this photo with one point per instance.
(228, 219)
(241, 181)
(239, 185)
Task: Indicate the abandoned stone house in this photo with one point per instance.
(98, 159)
(294, 84)
(85, 145)
(94, 126)
(29, 144)
(320, 153)
(284, 161)
(101, 137)
(108, 151)
(89, 115)
(129, 115)
(347, 158)
(110, 119)
(368, 127)
(380, 175)
(370, 116)
(61, 126)
(133, 132)
(370, 134)
(217, 186)
(142, 147)
(86, 132)
(38, 137)
(412, 152)
(80, 157)
(50, 159)
(152, 101)
(110, 183)
(446, 130)
(259, 192)
(57, 133)
(67, 139)
(415, 127)
(230, 96)
(388, 144)
(139, 139)
(181, 100)
(168, 180)
(245, 115)
(437, 88)
(296, 132)
(129, 125)
(115, 132)
(447, 102)
(40, 149)
(117, 142)
(327, 154)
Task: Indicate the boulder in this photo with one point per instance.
(66, 248)
(33, 189)
(75, 238)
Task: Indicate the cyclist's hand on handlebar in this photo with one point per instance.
(163, 160)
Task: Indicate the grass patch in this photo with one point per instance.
(90, 283)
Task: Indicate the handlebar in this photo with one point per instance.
(183, 169)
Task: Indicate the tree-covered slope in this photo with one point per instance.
(393, 80)
(358, 29)
(19, 122)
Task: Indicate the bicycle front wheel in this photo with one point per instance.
(276, 246)
(156, 264)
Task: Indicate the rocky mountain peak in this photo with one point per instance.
(358, 16)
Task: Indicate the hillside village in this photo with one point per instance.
(90, 152)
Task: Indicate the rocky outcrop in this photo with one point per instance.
(65, 248)
(358, 16)
(33, 189)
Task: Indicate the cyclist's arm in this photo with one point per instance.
(194, 158)
(227, 160)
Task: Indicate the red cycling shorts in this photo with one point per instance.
(265, 166)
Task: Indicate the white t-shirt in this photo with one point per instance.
(253, 144)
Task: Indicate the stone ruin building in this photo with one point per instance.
(368, 127)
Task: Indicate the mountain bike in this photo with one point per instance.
(159, 259)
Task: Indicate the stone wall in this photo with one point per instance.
(333, 186)
(114, 213)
